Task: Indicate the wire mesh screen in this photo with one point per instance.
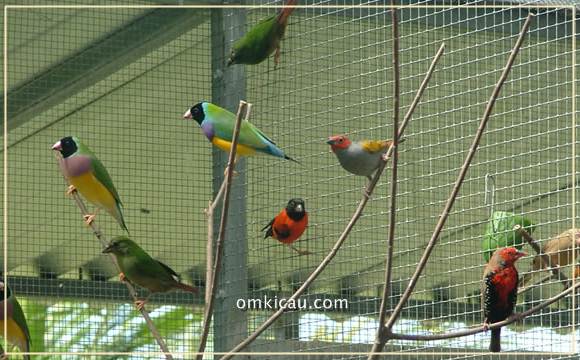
(127, 107)
(120, 79)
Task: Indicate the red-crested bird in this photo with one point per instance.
(499, 290)
(289, 224)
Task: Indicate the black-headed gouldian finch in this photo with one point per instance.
(499, 290)
(88, 175)
(218, 126)
(289, 224)
(17, 329)
(559, 251)
(262, 39)
(140, 268)
(361, 157)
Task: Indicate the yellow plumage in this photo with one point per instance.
(95, 192)
(15, 334)
(225, 145)
(374, 146)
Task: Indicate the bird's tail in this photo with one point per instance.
(118, 215)
(289, 158)
(268, 228)
(187, 288)
(286, 11)
(494, 344)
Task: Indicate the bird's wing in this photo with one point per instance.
(513, 295)
(269, 228)
(103, 176)
(169, 270)
(374, 146)
(283, 231)
(488, 293)
(18, 316)
(223, 124)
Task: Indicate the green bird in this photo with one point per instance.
(14, 320)
(499, 232)
(218, 124)
(262, 39)
(88, 175)
(140, 268)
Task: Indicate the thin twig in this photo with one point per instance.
(472, 331)
(209, 246)
(101, 237)
(366, 196)
(545, 258)
(222, 229)
(381, 335)
(462, 173)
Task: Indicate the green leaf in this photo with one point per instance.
(499, 232)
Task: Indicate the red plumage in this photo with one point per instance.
(499, 290)
(286, 11)
(289, 224)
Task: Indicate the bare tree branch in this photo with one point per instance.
(366, 195)
(381, 334)
(101, 237)
(208, 313)
(509, 320)
(462, 173)
(545, 258)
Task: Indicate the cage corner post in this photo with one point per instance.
(228, 88)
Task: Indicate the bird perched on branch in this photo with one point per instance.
(361, 157)
(289, 224)
(140, 268)
(17, 328)
(558, 249)
(89, 176)
(262, 39)
(499, 290)
(218, 124)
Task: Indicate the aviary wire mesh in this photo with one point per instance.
(120, 79)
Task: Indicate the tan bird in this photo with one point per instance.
(559, 250)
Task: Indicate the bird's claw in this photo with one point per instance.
(301, 252)
(234, 174)
(89, 219)
(70, 190)
(385, 157)
(485, 325)
(277, 57)
(122, 277)
(140, 304)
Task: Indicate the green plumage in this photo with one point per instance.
(262, 39)
(141, 269)
(499, 232)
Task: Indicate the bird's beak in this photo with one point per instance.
(187, 114)
(331, 141)
(57, 146)
(520, 254)
(108, 249)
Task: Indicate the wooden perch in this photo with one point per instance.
(226, 186)
(358, 212)
(545, 258)
(381, 336)
(457, 186)
(515, 317)
(99, 235)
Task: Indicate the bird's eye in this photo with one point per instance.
(195, 110)
(340, 140)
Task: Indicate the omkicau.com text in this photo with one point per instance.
(275, 303)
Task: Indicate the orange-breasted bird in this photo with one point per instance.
(499, 290)
(361, 157)
(289, 224)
